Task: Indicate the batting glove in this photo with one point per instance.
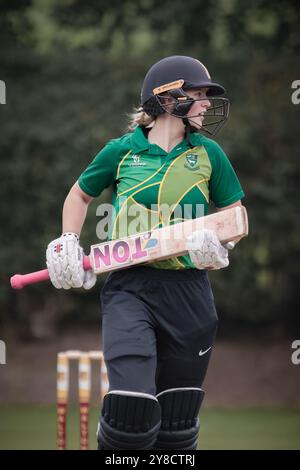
(206, 251)
(64, 257)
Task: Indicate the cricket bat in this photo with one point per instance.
(147, 247)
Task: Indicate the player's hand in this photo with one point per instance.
(65, 263)
(206, 251)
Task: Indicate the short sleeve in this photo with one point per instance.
(225, 188)
(101, 171)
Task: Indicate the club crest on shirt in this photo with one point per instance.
(191, 162)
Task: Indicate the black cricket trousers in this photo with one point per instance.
(158, 328)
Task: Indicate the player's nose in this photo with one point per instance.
(205, 103)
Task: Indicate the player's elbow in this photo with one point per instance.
(77, 193)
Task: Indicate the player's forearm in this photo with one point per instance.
(74, 213)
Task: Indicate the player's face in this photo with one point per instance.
(199, 107)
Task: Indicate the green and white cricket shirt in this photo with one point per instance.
(153, 188)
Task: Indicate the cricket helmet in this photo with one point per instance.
(173, 76)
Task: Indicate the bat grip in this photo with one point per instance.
(18, 281)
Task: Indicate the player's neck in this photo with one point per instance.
(167, 132)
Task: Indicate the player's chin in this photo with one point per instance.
(196, 123)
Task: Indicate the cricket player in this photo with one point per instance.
(159, 320)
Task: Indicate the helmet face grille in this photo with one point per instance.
(214, 117)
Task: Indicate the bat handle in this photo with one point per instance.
(18, 281)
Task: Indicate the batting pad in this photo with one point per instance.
(129, 421)
(179, 418)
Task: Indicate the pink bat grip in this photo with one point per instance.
(18, 281)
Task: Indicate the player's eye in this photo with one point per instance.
(202, 93)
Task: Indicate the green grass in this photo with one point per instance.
(33, 427)
(258, 429)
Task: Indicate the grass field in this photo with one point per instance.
(25, 427)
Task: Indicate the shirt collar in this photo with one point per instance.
(195, 139)
(140, 143)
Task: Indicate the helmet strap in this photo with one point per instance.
(187, 131)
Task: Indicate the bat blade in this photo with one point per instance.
(230, 225)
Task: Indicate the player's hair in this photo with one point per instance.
(139, 118)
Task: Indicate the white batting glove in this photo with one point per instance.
(206, 251)
(64, 257)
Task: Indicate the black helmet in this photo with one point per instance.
(176, 75)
